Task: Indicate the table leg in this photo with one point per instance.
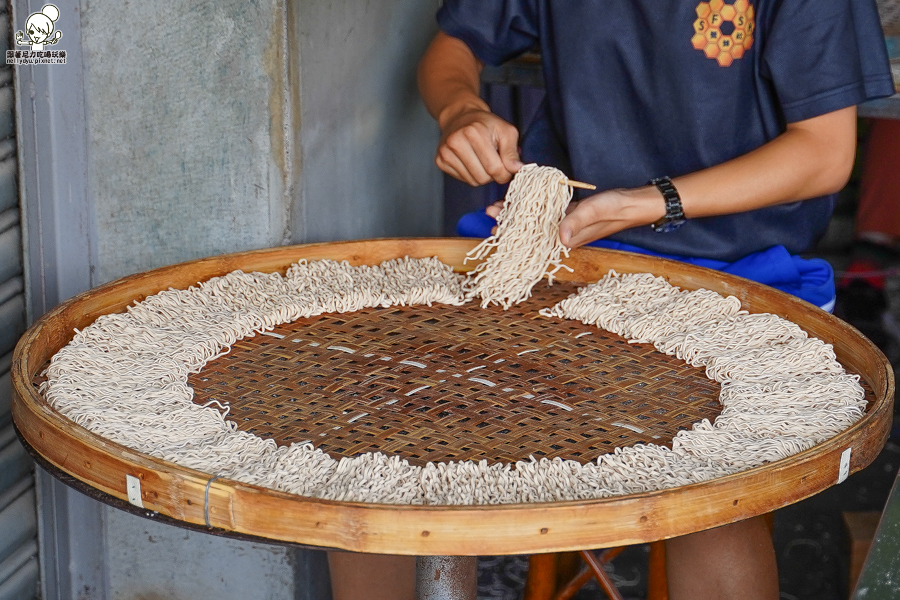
(446, 578)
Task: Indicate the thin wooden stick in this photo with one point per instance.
(578, 184)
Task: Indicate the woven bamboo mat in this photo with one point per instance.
(456, 383)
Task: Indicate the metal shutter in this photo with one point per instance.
(18, 518)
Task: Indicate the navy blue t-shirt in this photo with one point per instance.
(643, 88)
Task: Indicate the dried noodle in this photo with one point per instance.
(124, 378)
(526, 246)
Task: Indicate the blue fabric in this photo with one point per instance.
(809, 279)
(630, 97)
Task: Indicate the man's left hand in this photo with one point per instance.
(609, 212)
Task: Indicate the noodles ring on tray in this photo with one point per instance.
(125, 377)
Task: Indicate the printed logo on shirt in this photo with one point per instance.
(723, 32)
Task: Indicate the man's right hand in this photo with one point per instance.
(478, 147)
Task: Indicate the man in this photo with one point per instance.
(718, 133)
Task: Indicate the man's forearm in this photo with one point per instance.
(449, 79)
(812, 158)
(476, 145)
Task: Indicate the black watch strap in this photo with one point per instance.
(674, 217)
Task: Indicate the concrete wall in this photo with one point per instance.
(231, 125)
(182, 129)
(366, 140)
(207, 567)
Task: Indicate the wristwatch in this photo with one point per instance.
(674, 217)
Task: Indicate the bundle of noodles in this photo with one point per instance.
(526, 246)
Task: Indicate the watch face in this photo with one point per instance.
(667, 226)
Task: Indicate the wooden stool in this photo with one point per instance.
(558, 576)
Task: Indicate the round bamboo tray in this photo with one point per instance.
(191, 497)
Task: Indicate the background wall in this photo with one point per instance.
(182, 129)
(222, 126)
(183, 105)
(367, 143)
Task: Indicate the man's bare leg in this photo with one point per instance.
(372, 576)
(732, 562)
